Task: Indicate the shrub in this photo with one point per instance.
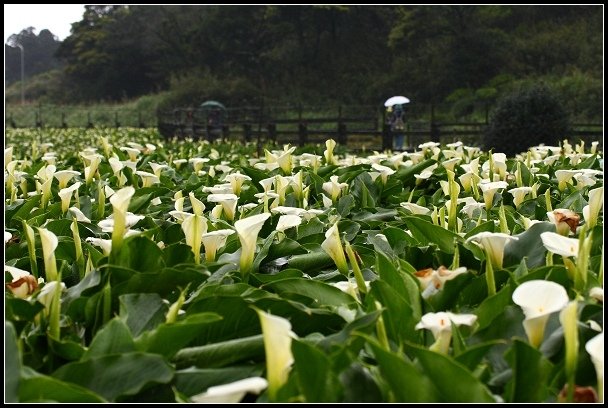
(525, 118)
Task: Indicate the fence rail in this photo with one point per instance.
(359, 127)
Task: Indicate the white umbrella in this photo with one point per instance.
(396, 100)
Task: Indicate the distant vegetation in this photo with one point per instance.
(466, 56)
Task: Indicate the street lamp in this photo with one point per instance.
(22, 75)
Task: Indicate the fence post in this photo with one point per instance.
(272, 132)
(141, 122)
(63, 122)
(38, 120)
(247, 131)
(342, 137)
(302, 133)
(387, 137)
(116, 122)
(225, 133)
(89, 122)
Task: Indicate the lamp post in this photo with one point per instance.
(22, 75)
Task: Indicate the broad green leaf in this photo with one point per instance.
(222, 353)
(12, 364)
(142, 311)
(321, 293)
(493, 306)
(167, 338)
(115, 375)
(487, 226)
(530, 373)
(193, 381)
(359, 385)
(426, 233)
(402, 282)
(399, 317)
(113, 338)
(345, 205)
(529, 245)
(41, 388)
(574, 202)
(316, 379)
(454, 382)
(311, 262)
(21, 309)
(406, 174)
(407, 383)
(475, 354)
(21, 211)
(67, 349)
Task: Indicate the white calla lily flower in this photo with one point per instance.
(288, 221)
(22, 284)
(440, 324)
(147, 179)
(558, 244)
(493, 244)
(236, 181)
(231, 393)
(592, 210)
(64, 177)
(49, 244)
(227, 201)
(277, 345)
(66, 196)
(415, 208)
(565, 220)
(248, 230)
(489, 190)
(104, 244)
(194, 226)
(120, 203)
(595, 348)
(519, 194)
(538, 299)
(333, 246)
(214, 240)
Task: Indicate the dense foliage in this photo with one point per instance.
(531, 116)
(145, 271)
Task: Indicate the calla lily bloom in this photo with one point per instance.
(213, 241)
(519, 194)
(432, 281)
(288, 221)
(597, 293)
(493, 244)
(104, 244)
(595, 348)
(384, 171)
(133, 153)
(330, 144)
(23, 283)
(66, 195)
(440, 324)
(49, 244)
(538, 299)
(64, 177)
(236, 181)
(198, 163)
(333, 246)
(489, 189)
(564, 177)
(194, 226)
(334, 188)
(228, 202)
(233, 392)
(157, 168)
(147, 179)
(248, 230)
(120, 203)
(592, 210)
(565, 220)
(415, 208)
(47, 293)
(558, 244)
(107, 225)
(277, 345)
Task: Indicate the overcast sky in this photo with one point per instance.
(57, 18)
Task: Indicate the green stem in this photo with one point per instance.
(490, 276)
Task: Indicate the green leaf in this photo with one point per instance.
(406, 382)
(20, 211)
(12, 363)
(574, 202)
(142, 311)
(168, 338)
(487, 226)
(402, 282)
(113, 338)
(21, 309)
(454, 382)
(286, 247)
(177, 253)
(316, 379)
(193, 381)
(345, 205)
(116, 375)
(399, 317)
(529, 245)
(36, 387)
(311, 262)
(143, 254)
(261, 255)
(473, 355)
(66, 349)
(426, 233)
(140, 199)
(222, 353)
(530, 373)
(359, 385)
(493, 306)
(406, 174)
(321, 293)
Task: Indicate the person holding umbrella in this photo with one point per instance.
(396, 119)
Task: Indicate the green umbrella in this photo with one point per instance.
(212, 105)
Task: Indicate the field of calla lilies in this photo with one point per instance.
(142, 270)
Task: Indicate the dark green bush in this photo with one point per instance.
(526, 118)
